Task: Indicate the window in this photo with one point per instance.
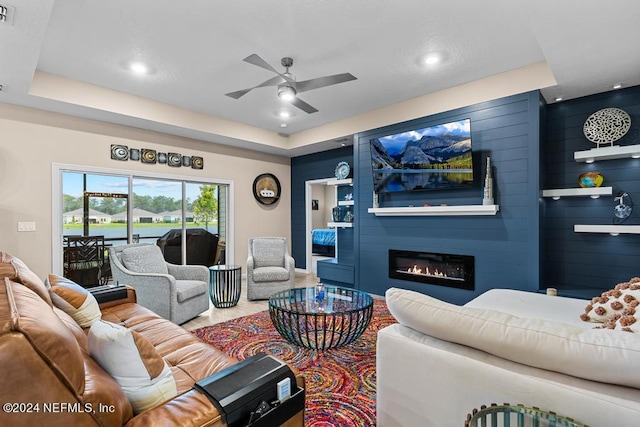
(138, 207)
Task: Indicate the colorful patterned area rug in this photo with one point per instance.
(340, 383)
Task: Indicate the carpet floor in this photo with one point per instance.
(340, 383)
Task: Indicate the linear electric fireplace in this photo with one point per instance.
(455, 271)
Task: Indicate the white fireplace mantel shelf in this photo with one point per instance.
(436, 210)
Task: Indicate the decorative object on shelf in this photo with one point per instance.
(336, 214)
(376, 200)
(607, 126)
(320, 291)
(266, 189)
(342, 170)
(348, 197)
(623, 209)
(487, 195)
(149, 156)
(590, 179)
(348, 216)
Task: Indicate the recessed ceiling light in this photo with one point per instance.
(284, 114)
(558, 98)
(283, 125)
(139, 68)
(432, 59)
(617, 85)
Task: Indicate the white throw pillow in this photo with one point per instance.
(74, 300)
(134, 363)
(595, 354)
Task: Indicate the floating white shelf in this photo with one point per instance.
(436, 210)
(340, 224)
(607, 153)
(348, 181)
(346, 203)
(611, 229)
(570, 192)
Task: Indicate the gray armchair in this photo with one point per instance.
(176, 292)
(270, 268)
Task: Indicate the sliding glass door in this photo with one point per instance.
(186, 218)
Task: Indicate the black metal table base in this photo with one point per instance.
(311, 327)
(225, 282)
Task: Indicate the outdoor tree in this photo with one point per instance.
(205, 207)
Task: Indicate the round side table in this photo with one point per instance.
(224, 285)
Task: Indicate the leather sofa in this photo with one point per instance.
(50, 378)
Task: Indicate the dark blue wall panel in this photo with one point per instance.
(530, 243)
(305, 168)
(505, 246)
(577, 260)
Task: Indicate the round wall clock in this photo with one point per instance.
(342, 170)
(266, 189)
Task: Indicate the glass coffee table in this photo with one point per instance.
(321, 317)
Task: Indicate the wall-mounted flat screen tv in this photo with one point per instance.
(432, 158)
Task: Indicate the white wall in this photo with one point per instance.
(31, 141)
(326, 201)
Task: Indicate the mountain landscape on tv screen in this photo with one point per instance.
(430, 158)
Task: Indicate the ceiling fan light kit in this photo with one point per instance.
(288, 88)
(286, 92)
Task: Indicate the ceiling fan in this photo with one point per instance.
(288, 87)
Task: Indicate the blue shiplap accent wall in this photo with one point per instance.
(305, 168)
(505, 246)
(576, 260)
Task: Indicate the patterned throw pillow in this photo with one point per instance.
(134, 363)
(74, 300)
(612, 306)
(627, 323)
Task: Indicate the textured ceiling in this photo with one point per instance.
(195, 49)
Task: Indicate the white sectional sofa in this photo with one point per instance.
(442, 360)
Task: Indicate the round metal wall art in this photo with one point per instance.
(607, 126)
(266, 189)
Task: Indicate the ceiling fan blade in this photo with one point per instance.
(256, 60)
(297, 102)
(307, 85)
(274, 81)
(237, 94)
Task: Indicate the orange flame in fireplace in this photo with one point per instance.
(426, 272)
